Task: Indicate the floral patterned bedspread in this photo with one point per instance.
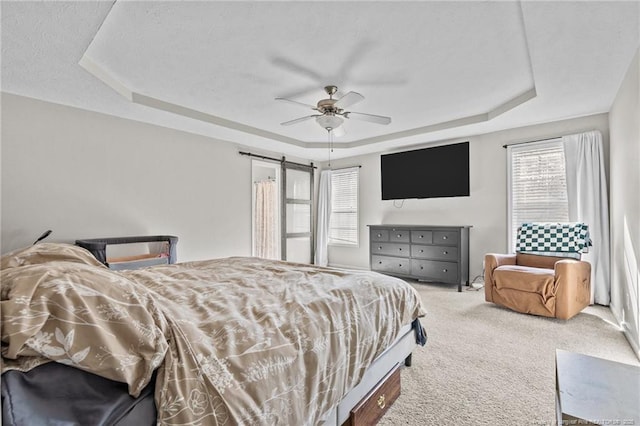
(235, 341)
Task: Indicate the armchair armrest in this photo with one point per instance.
(573, 287)
(491, 262)
(496, 260)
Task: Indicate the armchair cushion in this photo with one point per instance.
(526, 289)
(525, 278)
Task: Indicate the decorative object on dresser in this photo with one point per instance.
(423, 252)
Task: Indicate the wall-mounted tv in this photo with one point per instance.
(440, 171)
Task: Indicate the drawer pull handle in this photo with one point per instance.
(381, 402)
(421, 251)
(445, 252)
(445, 237)
(421, 236)
(380, 262)
(379, 235)
(444, 270)
(399, 249)
(422, 267)
(379, 248)
(399, 235)
(400, 265)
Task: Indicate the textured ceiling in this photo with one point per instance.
(439, 69)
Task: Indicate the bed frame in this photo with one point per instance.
(394, 356)
(374, 378)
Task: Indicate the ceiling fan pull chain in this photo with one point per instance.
(330, 132)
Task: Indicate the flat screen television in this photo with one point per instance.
(440, 171)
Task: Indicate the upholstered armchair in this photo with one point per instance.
(538, 284)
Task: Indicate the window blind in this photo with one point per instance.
(343, 225)
(538, 186)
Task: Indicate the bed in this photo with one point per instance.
(216, 342)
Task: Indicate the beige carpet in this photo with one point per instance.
(486, 365)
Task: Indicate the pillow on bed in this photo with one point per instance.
(90, 318)
(48, 252)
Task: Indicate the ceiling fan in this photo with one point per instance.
(332, 111)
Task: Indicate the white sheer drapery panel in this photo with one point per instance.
(324, 217)
(588, 203)
(266, 216)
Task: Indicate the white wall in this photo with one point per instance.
(485, 209)
(624, 121)
(84, 174)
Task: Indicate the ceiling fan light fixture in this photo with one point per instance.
(329, 121)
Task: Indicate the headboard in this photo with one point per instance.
(98, 247)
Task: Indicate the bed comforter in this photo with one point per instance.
(234, 341)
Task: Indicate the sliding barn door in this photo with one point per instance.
(297, 213)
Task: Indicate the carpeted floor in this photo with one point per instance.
(486, 365)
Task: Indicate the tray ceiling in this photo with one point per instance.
(439, 69)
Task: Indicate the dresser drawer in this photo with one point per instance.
(371, 409)
(435, 270)
(399, 235)
(393, 249)
(392, 265)
(422, 237)
(379, 235)
(434, 252)
(445, 237)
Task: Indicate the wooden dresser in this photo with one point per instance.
(423, 252)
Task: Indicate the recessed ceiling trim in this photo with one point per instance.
(511, 104)
(151, 102)
(459, 122)
(210, 118)
(97, 71)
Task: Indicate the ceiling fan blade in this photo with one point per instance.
(299, 120)
(296, 68)
(301, 91)
(296, 102)
(349, 99)
(378, 119)
(355, 57)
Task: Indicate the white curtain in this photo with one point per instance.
(324, 215)
(588, 203)
(266, 216)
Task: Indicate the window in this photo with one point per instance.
(343, 225)
(537, 185)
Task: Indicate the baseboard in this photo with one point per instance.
(635, 346)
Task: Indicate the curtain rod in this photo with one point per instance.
(539, 140)
(348, 167)
(280, 160)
